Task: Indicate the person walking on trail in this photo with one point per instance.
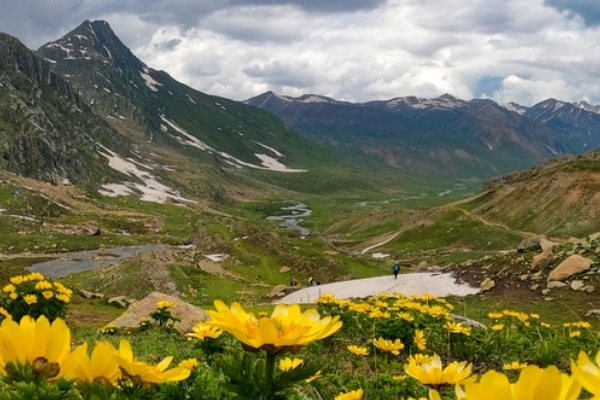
(396, 270)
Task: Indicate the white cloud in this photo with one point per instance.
(379, 49)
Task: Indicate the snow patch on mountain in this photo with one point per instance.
(149, 81)
(268, 163)
(277, 153)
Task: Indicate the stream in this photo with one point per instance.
(292, 216)
(79, 261)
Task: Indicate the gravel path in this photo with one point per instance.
(438, 284)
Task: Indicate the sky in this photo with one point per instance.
(522, 51)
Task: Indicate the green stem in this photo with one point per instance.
(270, 367)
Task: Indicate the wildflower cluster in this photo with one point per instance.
(34, 295)
(427, 351)
(41, 350)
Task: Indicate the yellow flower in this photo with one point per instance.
(514, 366)
(495, 315)
(63, 297)
(164, 304)
(48, 294)
(456, 327)
(5, 313)
(286, 329)
(101, 366)
(9, 288)
(287, 364)
(389, 346)
(17, 279)
(533, 384)
(420, 339)
(420, 358)
(13, 296)
(406, 317)
(30, 299)
(144, 374)
(326, 298)
(189, 363)
(359, 351)
(43, 285)
(433, 375)
(575, 334)
(587, 372)
(545, 324)
(202, 331)
(433, 395)
(35, 276)
(41, 344)
(497, 327)
(353, 395)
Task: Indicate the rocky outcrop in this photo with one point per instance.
(572, 265)
(187, 313)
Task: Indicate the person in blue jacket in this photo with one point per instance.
(396, 270)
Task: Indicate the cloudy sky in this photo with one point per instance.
(357, 50)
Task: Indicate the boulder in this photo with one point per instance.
(543, 260)
(276, 290)
(592, 312)
(531, 244)
(487, 284)
(187, 313)
(576, 285)
(283, 270)
(572, 265)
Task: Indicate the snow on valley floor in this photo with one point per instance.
(419, 283)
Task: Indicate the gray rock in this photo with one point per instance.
(468, 322)
(118, 301)
(531, 244)
(592, 312)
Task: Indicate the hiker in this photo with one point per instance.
(396, 270)
(294, 282)
(311, 281)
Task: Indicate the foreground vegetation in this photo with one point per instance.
(385, 347)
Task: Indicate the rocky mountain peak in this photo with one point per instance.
(92, 40)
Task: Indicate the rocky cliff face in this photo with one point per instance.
(46, 131)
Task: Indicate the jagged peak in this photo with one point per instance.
(92, 40)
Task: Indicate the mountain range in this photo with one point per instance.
(84, 109)
(445, 136)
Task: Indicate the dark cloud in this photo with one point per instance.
(588, 10)
(280, 74)
(168, 45)
(320, 6)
